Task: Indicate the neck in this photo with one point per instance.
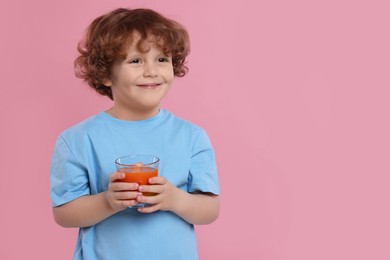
(133, 115)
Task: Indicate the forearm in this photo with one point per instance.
(197, 208)
(84, 211)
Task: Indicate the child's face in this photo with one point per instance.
(139, 82)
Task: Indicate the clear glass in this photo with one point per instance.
(139, 169)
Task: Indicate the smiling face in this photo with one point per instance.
(140, 81)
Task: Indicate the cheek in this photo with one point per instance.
(123, 79)
(170, 75)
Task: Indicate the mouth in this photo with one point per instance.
(149, 85)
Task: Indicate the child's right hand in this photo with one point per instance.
(119, 194)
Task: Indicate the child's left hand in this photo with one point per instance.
(166, 195)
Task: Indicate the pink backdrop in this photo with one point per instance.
(294, 94)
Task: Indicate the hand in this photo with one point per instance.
(165, 198)
(120, 195)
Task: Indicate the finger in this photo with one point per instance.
(126, 203)
(149, 209)
(126, 195)
(157, 180)
(117, 176)
(151, 188)
(122, 186)
(149, 199)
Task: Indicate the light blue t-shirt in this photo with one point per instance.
(83, 159)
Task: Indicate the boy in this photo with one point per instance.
(132, 56)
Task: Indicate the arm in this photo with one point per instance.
(198, 208)
(195, 208)
(91, 209)
(84, 211)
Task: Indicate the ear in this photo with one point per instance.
(107, 82)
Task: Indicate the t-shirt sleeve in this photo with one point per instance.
(68, 178)
(203, 170)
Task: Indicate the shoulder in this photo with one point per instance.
(186, 131)
(182, 124)
(81, 129)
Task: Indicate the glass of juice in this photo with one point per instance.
(139, 169)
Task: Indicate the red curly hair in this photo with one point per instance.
(109, 35)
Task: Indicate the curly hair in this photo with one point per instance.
(108, 36)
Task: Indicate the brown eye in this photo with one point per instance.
(136, 61)
(163, 60)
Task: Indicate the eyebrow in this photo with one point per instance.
(139, 53)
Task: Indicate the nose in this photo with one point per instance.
(150, 69)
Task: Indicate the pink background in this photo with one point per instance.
(294, 94)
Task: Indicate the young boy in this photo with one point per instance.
(132, 56)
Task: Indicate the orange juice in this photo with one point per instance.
(139, 174)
